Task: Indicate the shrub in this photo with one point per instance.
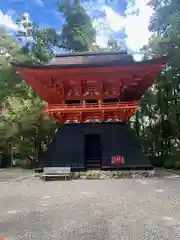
(173, 161)
(75, 175)
(169, 164)
(157, 161)
(177, 165)
(176, 157)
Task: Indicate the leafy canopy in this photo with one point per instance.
(77, 32)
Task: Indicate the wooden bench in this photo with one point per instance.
(56, 172)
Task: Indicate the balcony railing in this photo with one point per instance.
(92, 106)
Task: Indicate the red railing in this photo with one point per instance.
(84, 112)
(91, 107)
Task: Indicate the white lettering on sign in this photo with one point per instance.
(117, 160)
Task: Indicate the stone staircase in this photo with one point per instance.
(93, 163)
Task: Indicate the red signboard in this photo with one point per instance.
(117, 160)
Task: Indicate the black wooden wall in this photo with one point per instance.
(67, 147)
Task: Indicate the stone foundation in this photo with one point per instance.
(97, 174)
(112, 174)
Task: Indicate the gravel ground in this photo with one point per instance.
(127, 209)
(9, 174)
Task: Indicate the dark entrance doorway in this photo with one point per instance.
(92, 151)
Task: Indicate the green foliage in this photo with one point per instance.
(113, 44)
(77, 32)
(10, 50)
(157, 161)
(169, 164)
(42, 47)
(166, 15)
(22, 119)
(26, 125)
(177, 165)
(173, 161)
(159, 118)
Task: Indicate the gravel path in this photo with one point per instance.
(127, 209)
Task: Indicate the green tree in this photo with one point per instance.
(113, 44)
(24, 123)
(77, 33)
(10, 51)
(37, 42)
(160, 105)
(22, 117)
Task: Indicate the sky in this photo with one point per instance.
(112, 15)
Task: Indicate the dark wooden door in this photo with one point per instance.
(92, 151)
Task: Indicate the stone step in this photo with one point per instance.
(94, 164)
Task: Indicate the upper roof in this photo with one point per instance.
(89, 58)
(90, 53)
